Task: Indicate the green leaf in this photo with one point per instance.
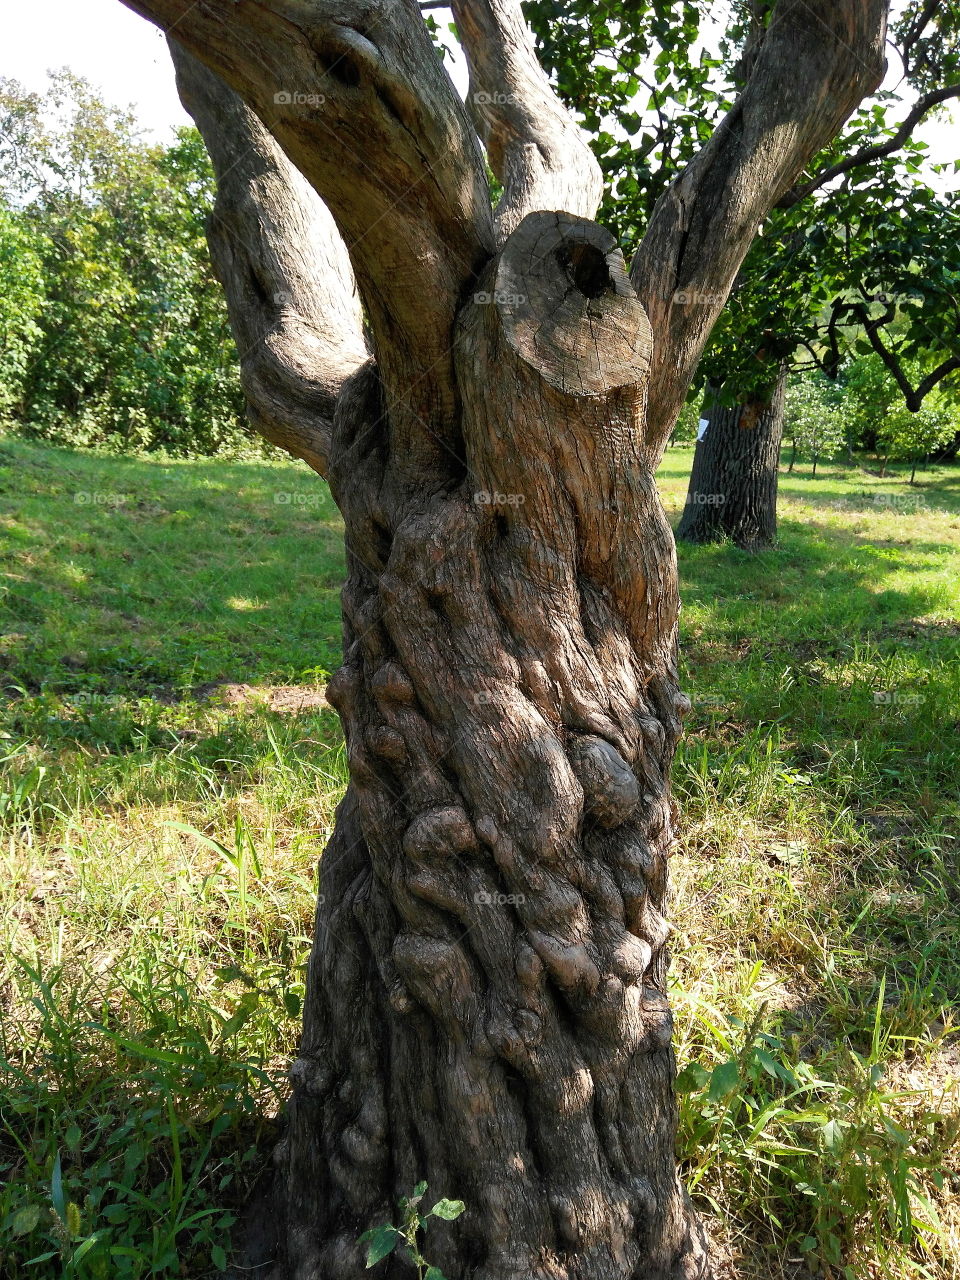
(380, 1242)
(84, 1249)
(56, 1190)
(448, 1209)
(434, 1273)
(232, 973)
(234, 1023)
(693, 1076)
(769, 1064)
(25, 1219)
(832, 1135)
(724, 1079)
(218, 1257)
(215, 845)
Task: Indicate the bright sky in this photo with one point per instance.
(103, 41)
(126, 58)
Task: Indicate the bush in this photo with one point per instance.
(122, 339)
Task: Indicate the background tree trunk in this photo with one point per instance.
(733, 484)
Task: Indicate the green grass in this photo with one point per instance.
(159, 845)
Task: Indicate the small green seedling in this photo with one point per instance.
(381, 1241)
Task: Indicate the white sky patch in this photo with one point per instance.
(122, 55)
(126, 58)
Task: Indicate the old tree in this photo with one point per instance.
(488, 392)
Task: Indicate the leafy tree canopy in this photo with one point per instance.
(122, 331)
(862, 254)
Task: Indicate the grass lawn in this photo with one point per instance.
(169, 779)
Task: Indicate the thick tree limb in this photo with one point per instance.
(293, 303)
(535, 148)
(816, 61)
(866, 155)
(358, 99)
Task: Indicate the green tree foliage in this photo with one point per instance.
(878, 413)
(816, 419)
(838, 266)
(129, 345)
(877, 270)
(647, 84)
(865, 406)
(21, 304)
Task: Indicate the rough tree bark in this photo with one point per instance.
(733, 484)
(486, 1001)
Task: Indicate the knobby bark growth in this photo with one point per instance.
(733, 485)
(486, 1001)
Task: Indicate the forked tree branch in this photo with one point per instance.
(535, 148)
(355, 94)
(817, 60)
(915, 30)
(291, 296)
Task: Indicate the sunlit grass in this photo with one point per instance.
(160, 843)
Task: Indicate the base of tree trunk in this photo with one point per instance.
(257, 1241)
(733, 485)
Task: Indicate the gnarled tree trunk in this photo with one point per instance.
(486, 1003)
(733, 484)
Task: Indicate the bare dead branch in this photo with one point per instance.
(915, 31)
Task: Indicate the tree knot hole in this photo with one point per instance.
(586, 265)
(344, 70)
